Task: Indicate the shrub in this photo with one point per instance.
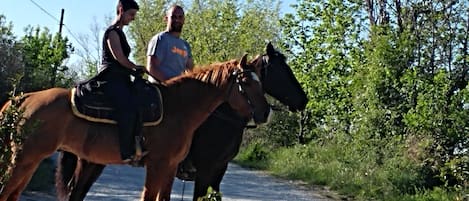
(211, 195)
(9, 133)
(256, 154)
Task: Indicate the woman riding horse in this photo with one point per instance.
(187, 101)
(215, 142)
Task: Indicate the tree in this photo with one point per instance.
(216, 30)
(223, 30)
(43, 54)
(149, 21)
(90, 51)
(10, 59)
(414, 82)
(324, 40)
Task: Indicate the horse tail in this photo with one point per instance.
(64, 176)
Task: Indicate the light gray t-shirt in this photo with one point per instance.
(171, 51)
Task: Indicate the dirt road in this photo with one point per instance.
(124, 183)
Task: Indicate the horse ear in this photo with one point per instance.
(270, 49)
(243, 62)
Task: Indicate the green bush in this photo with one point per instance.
(256, 155)
(436, 194)
(353, 170)
(43, 178)
(9, 133)
(211, 195)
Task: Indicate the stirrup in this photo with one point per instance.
(136, 160)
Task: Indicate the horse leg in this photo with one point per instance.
(20, 176)
(208, 177)
(64, 175)
(14, 196)
(88, 174)
(219, 173)
(158, 181)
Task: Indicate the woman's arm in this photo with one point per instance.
(116, 49)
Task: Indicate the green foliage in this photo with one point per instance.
(445, 122)
(216, 30)
(436, 194)
(149, 21)
(10, 61)
(387, 83)
(282, 131)
(223, 30)
(10, 134)
(256, 154)
(31, 63)
(349, 170)
(323, 40)
(212, 195)
(43, 54)
(388, 113)
(89, 54)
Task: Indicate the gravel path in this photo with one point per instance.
(124, 183)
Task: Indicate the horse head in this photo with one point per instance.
(247, 90)
(278, 79)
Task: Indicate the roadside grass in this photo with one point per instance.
(254, 155)
(355, 173)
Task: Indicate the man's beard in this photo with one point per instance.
(175, 28)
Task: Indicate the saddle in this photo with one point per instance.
(89, 102)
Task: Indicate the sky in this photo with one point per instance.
(79, 15)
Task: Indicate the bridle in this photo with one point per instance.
(236, 80)
(238, 75)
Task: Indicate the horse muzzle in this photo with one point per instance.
(263, 118)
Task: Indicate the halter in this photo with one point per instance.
(238, 75)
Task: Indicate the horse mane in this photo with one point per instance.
(214, 73)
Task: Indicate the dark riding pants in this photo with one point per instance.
(122, 94)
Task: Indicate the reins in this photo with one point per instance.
(238, 74)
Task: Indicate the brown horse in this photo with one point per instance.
(215, 142)
(187, 101)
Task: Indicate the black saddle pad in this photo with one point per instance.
(89, 102)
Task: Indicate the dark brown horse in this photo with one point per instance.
(187, 101)
(215, 142)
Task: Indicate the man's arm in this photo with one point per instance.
(153, 67)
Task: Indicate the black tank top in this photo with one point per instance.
(108, 60)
